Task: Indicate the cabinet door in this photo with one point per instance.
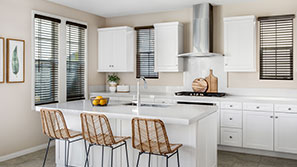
(105, 50)
(258, 130)
(286, 132)
(119, 48)
(240, 44)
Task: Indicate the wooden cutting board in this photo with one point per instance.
(212, 82)
(199, 85)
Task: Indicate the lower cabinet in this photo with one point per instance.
(258, 130)
(286, 132)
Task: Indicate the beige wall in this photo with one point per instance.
(184, 16)
(20, 127)
(258, 8)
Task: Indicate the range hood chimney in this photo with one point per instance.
(202, 32)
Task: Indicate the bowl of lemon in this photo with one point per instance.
(99, 101)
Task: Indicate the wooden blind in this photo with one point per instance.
(46, 59)
(146, 53)
(75, 50)
(276, 47)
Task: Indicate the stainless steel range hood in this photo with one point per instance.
(202, 32)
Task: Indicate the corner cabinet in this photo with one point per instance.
(116, 49)
(240, 44)
(168, 44)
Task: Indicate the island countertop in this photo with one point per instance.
(170, 114)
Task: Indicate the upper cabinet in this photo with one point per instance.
(240, 44)
(116, 49)
(168, 44)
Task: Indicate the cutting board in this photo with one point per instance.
(199, 85)
(212, 82)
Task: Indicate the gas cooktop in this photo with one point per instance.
(189, 93)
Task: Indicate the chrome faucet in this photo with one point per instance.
(138, 91)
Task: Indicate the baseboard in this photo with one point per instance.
(24, 152)
(258, 152)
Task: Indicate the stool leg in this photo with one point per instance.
(86, 148)
(127, 154)
(87, 156)
(102, 160)
(46, 152)
(67, 146)
(149, 162)
(177, 156)
(166, 161)
(138, 159)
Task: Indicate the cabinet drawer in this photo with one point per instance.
(257, 107)
(231, 137)
(231, 105)
(231, 118)
(285, 108)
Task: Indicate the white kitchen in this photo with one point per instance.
(196, 83)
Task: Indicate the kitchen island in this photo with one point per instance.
(194, 126)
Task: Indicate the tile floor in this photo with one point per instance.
(225, 159)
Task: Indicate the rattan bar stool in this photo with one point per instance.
(54, 126)
(150, 137)
(97, 131)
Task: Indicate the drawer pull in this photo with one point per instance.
(231, 105)
(289, 109)
(257, 107)
(230, 137)
(276, 117)
(271, 116)
(230, 119)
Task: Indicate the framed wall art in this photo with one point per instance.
(15, 66)
(2, 60)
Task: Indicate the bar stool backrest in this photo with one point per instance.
(149, 135)
(53, 124)
(96, 129)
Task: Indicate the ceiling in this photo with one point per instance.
(112, 8)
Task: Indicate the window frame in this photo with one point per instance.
(62, 57)
(290, 56)
(137, 56)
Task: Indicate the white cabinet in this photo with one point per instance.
(286, 132)
(231, 118)
(168, 44)
(231, 137)
(116, 49)
(258, 130)
(240, 44)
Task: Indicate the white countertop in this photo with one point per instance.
(171, 114)
(247, 99)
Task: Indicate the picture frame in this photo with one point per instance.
(15, 60)
(2, 60)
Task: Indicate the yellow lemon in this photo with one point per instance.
(99, 97)
(96, 102)
(102, 102)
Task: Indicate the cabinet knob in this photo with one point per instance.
(231, 105)
(276, 117)
(257, 107)
(271, 116)
(230, 119)
(230, 137)
(289, 109)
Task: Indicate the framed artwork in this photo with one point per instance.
(15, 67)
(2, 62)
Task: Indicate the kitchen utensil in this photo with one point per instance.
(212, 82)
(199, 85)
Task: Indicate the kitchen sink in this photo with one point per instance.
(147, 105)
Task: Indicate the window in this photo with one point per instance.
(75, 51)
(46, 59)
(276, 47)
(145, 53)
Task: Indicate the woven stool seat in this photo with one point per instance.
(155, 149)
